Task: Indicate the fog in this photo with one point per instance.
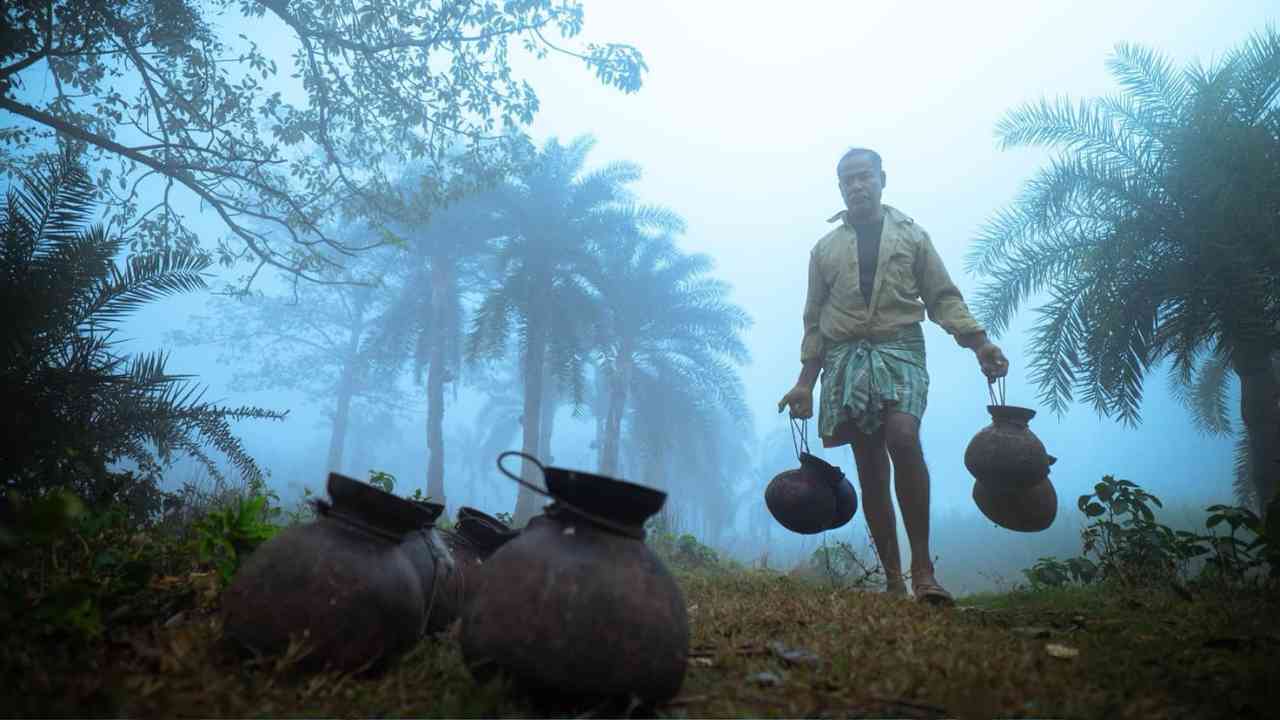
(744, 112)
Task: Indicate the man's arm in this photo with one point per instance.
(947, 308)
(942, 299)
(812, 347)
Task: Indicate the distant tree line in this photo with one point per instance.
(557, 272)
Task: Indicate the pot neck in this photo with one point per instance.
(346, 517)
(1011, 415)
(562, 512)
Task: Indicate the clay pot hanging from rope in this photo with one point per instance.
(342, 583)
(814, 497)
(1024, 510)
(1011, 468)
(577, 605)
(1006, 455)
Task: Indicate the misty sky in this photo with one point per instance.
(742, 117)
(748, 107)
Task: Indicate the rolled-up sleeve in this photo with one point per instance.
(812, 346)
(942, 299)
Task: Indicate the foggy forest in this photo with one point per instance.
(270, 265)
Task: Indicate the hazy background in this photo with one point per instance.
(744, 112)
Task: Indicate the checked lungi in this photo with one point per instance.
(863, 378)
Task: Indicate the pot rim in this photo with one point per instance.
(620, 501)
(379, 508)
(1013, 413)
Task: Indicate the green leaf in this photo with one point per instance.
(1094, 509)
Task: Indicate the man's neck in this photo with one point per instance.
(867, 219)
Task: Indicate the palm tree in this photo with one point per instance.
(687, 434)
(551, 216)
(73, 403)
(662, 314)
(443, 263)
(1156, 235)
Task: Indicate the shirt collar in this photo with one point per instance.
(843, 216)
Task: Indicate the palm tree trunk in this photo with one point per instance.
(534, 362)
(338, 435)
(346, 389)
(599, 412)
(1260, 411)
(436, 376)
(435, 426)
(547, 424)
(617, 407)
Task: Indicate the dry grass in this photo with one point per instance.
(1138, 656)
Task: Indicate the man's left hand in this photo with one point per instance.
(993, 362)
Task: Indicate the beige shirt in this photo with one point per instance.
(910, 282)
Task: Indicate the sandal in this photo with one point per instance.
(929, 591)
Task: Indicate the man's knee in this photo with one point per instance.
(902, 436)
(869, 449)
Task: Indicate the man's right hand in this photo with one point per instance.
(800, 400)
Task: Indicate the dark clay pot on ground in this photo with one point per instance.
(474, 537)
(581, 607)
(343, 579)
(437, 569)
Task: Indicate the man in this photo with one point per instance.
(871, 281)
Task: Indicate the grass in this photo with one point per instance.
(864, 654)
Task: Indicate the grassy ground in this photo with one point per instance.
(763, 644)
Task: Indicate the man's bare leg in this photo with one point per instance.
(911, 481)
(872, 459)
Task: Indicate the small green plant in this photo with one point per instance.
(384, 480)
(224, 537)
(1052, 572)
(303, 511)
(1233, 558)
(1126, 542)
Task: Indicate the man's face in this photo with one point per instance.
(861, 184)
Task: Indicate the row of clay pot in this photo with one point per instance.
(574, 605)
(361, 583)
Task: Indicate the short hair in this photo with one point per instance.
(875, 157)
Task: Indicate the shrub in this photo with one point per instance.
(84, 404)
(1125, 544)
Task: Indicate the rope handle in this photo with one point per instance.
(996, 390)
(799, 435)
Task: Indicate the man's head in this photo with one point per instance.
(862, 180)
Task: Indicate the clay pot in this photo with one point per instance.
(437, 567)
(577, 605)
(481, 532)
(1025, 510)
(1006, 455)
(812, 498)
(343, 581)
(474, 537)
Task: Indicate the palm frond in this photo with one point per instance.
(1151, 78)
(146, 278)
